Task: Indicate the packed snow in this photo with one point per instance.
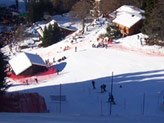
(138, 75)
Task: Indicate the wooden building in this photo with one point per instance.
(27, 64)
(128, 18)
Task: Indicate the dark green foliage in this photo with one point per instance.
(113, 32)
(155, 24)
(37, 9)
(35, 12)
(149, 5)
(3, 84)
(51, 35)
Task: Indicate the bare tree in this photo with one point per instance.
(56, 3)
(109, 5)
(62, 6)
(20, 32)
(81, 10)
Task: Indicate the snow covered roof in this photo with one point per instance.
(128, 15)
(25, 60)
(40, 30)
(46, 25)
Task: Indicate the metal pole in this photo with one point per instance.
(143, 104)
(60, 99)
(111, 95)
(101, 108)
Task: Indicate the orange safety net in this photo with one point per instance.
(37, 78)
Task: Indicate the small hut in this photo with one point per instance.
(128, 19)
(27, 64)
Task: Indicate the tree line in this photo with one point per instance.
(153, 24)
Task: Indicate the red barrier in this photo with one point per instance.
(16, 102)
(31, 79)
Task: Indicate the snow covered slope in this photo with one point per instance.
(138, 69)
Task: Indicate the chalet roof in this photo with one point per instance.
(25, 60)
(128, 15)
(41, 29)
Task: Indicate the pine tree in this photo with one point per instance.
(35, 12)
(150, 4)
(57, 33)
(155, 26)
(45, 37)
(51, 35)
(3, 84)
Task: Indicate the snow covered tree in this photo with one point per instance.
(3, 84)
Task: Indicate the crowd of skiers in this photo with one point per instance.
(103, 90)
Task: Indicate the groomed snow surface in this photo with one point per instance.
(139, 69)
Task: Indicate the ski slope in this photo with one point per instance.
(139, 69)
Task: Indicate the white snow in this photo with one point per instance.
(128, 15)
(138, 68)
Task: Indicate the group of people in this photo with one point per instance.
(103, 89)
(27, 82)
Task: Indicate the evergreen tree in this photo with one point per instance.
(45, 37)
(149, 5)
(57, 33)
(3, 84)
(51, 35)
(35, 12)
(37, 9)
(155, 25)
(113, 32)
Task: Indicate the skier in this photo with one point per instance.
(27, 82)
(57, 71)
(102, 90)
(141, 41)
(36, 80)
(111, 98)
(75, 49)
(104, 87)
(93, 84)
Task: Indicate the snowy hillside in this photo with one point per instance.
(137, 68)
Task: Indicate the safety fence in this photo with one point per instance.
(37, 78)
(22, 102)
